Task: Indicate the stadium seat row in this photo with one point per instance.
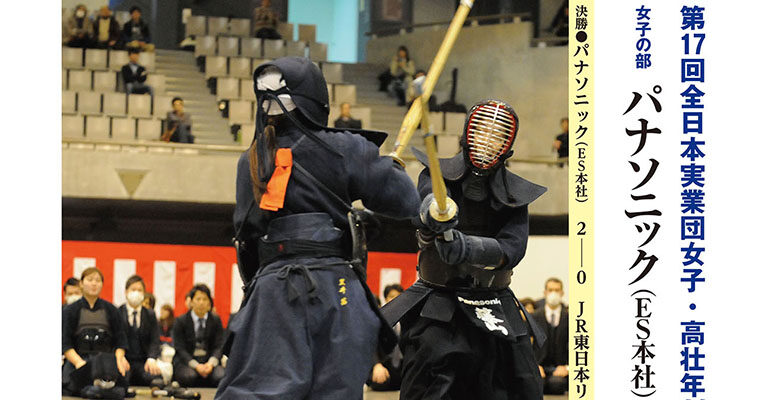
(103, 127)
(114, 104)
(104, 81)
(199, 25)
(255, 47)
(102, 60)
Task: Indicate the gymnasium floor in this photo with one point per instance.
(208, 394)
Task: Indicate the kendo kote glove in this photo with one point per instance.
(430, 223)
(478, 251)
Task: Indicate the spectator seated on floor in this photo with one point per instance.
(345, 121)
(552, 358)
(178, 125)
(94, 344)
(77, 29)
(71, 291)
(386, 373)
(166, 323)
(265, 21)
(134, 75)
(136, 33)
(106, 30)
(142, 335)
(197, 337)
(149, 301)
(529, 304)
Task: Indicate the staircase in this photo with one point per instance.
(184, 79)
(386, 115)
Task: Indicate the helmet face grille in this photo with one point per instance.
(490, 134)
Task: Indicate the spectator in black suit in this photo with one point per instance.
(136, 33)
(345, 120)
(142, 335)
(553, 356)
(71, 291)
(106, 29)
(561, 143)
(134, 75)
(197, 337)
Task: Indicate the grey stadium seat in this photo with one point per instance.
(240, 112)
(123, 129)
(240, 67)
(227, 46)
(148, 129)
(72, 126)
(250, 47)
(246, 89)
(80, 79)
(454, 123)
(217, 25)
(161, 106)
(117, 59)
(148, 60)
(240, 27)
(104, 81)
(196, 25)
(227, 88)
(69, 102)
(205, 46)
(296, 49)
(115, 104)
(72, 58)
(274, 48)
(285, 30)
(96, 59)
(88, 103)
(216, 66)
(345, 94)
(97, 127)
(257, 62)
(157, 81)
(307, 33)
(317, 51)
(138, 105)
(333, 72)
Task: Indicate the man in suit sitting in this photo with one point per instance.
(134, 75)
(197, 337)
(345, 120)
(142, 335)
(552, 358)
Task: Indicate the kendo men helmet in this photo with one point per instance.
(489, 133)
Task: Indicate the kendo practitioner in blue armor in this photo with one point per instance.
(94, 344)
(464, 335)
(307, 329)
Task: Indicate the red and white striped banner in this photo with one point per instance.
(170, 271)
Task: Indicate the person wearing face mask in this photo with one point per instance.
(71, 291)
(142, 335)
(78, 29)
(198, 337)
(94, 344)
(552, 357)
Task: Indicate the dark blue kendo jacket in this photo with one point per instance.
(360, 173)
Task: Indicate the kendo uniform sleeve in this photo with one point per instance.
(381, 184)
(248, 219)
(513, 236)
(69, 322)
(117, 326)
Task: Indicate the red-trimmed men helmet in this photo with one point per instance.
(489, 133)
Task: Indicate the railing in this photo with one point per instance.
(156, 146)
(502, 18)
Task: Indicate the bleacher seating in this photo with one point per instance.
(250, 47)
(307, 33)
(228, 46)
(196, 25)
(240, 27)
(96, 59)
(241, 112)
(240, 67)
(296, 49)
(285, 30)
(274, 48)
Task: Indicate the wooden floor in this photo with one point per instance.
(208, 394)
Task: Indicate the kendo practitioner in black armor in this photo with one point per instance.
(94, 344)
(307, 329)
(464, 335)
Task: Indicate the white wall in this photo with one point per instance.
(547, 256)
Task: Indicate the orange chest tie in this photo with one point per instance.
(274, 198)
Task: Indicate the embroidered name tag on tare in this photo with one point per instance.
(487, 314)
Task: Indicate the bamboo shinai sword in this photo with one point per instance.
(443, 208)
